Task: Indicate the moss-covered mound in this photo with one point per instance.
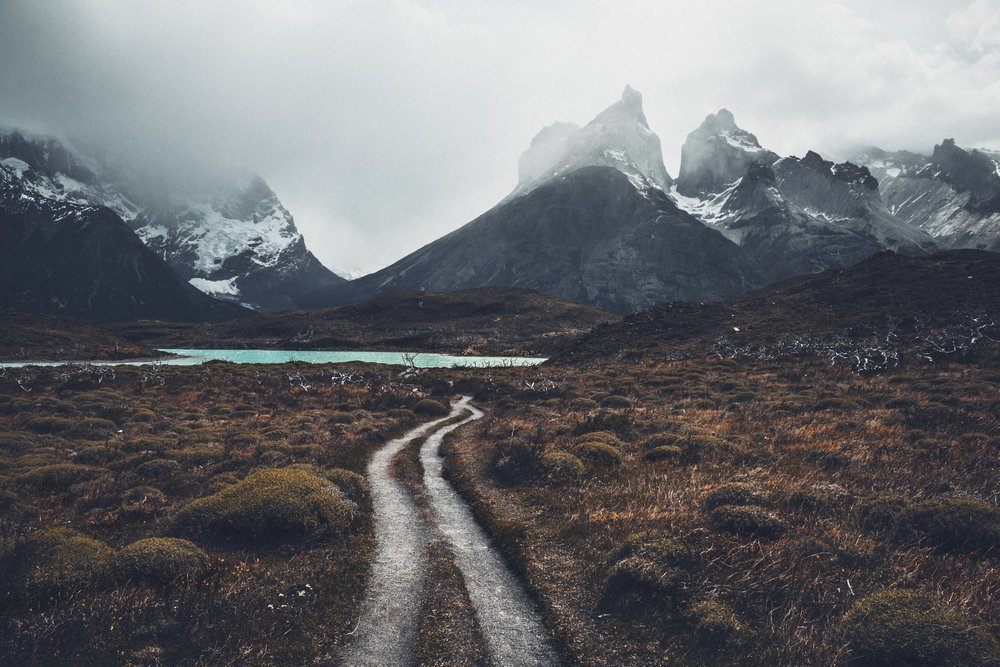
(55, 561)
(599, 454)
(161, 560)
(562, 467)
(733, 493)
(910, 628)
(428, 407)
(748, 521)
(277, 505)
(955, 524)
(715, 625)
(650, 568)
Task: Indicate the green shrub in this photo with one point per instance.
(158, 469)
(57, 477)
(606, 437)
(278, 505)
(562, 467)
(879, 514)
(161, 560)
(733, 493)
(616, 402)
(659, 440)
(351, 483)
(599, 453)
(143, 416)
(747, 521)
(650, 568)
(146, 443)
(898, 627)
(716, 625)
(664, 453)
(54, 561)
(955, 524)
(50, 424)
(95, 427)
(583, 404)
(428, 407)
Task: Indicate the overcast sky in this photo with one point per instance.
(383, 124)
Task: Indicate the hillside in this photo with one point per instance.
(481, 321)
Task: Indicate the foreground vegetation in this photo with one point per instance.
(723, 512)
(187, 515)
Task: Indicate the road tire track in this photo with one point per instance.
(511, 625)
(387, 629)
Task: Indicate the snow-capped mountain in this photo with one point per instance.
(717, 154)
(60, 254)
(953, 194)
(618, 137)
(233, 240)
(793, 215)
(590, 221)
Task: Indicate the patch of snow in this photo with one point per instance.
(708, 210)
(216, 287)
(740, 142)
(15, 165)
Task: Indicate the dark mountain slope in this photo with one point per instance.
(858, 300)
(591, 236)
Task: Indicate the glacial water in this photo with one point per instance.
(196, 357)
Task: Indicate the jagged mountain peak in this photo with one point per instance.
(717, 154)
(618, 137)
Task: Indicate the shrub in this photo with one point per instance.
(818, 497)
(146, 443)
(12, 442)
(562, 467)
(747, 521)
(57, 477)
(955, 524)
(734, 493)
(351, 483)
(649, 568)
(428, 407)
(95, 427)
(599, 453)
(616, 402)
(278, 504)
(583, 404)
(161, 560)
(879, 514)
(54, 561)
(142, 416)
(898, 627)
(659, 440)
(340, 418)
(517, 460)
(664, 453)
(49, 424)
(715, 625)
(606, 437)
(158, 469)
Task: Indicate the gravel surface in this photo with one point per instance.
(387, 630)
(510, 622)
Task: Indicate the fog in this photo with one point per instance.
(383, 124)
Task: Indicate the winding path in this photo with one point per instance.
(387, 630)
(386, 633)
(512, 627)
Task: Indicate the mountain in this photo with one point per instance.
(934, 294)
(618, 137)
(793, 215)
(233, 239)
(235, 242)
(717, 154)
(65, 258)
(953, 194)
(590, 236)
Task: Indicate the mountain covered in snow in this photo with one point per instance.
(232, 238)
(589, 221)
(953, 194)
(619, 137)
(61, 254)
(793, 215)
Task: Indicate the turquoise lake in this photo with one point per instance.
(195, 357)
